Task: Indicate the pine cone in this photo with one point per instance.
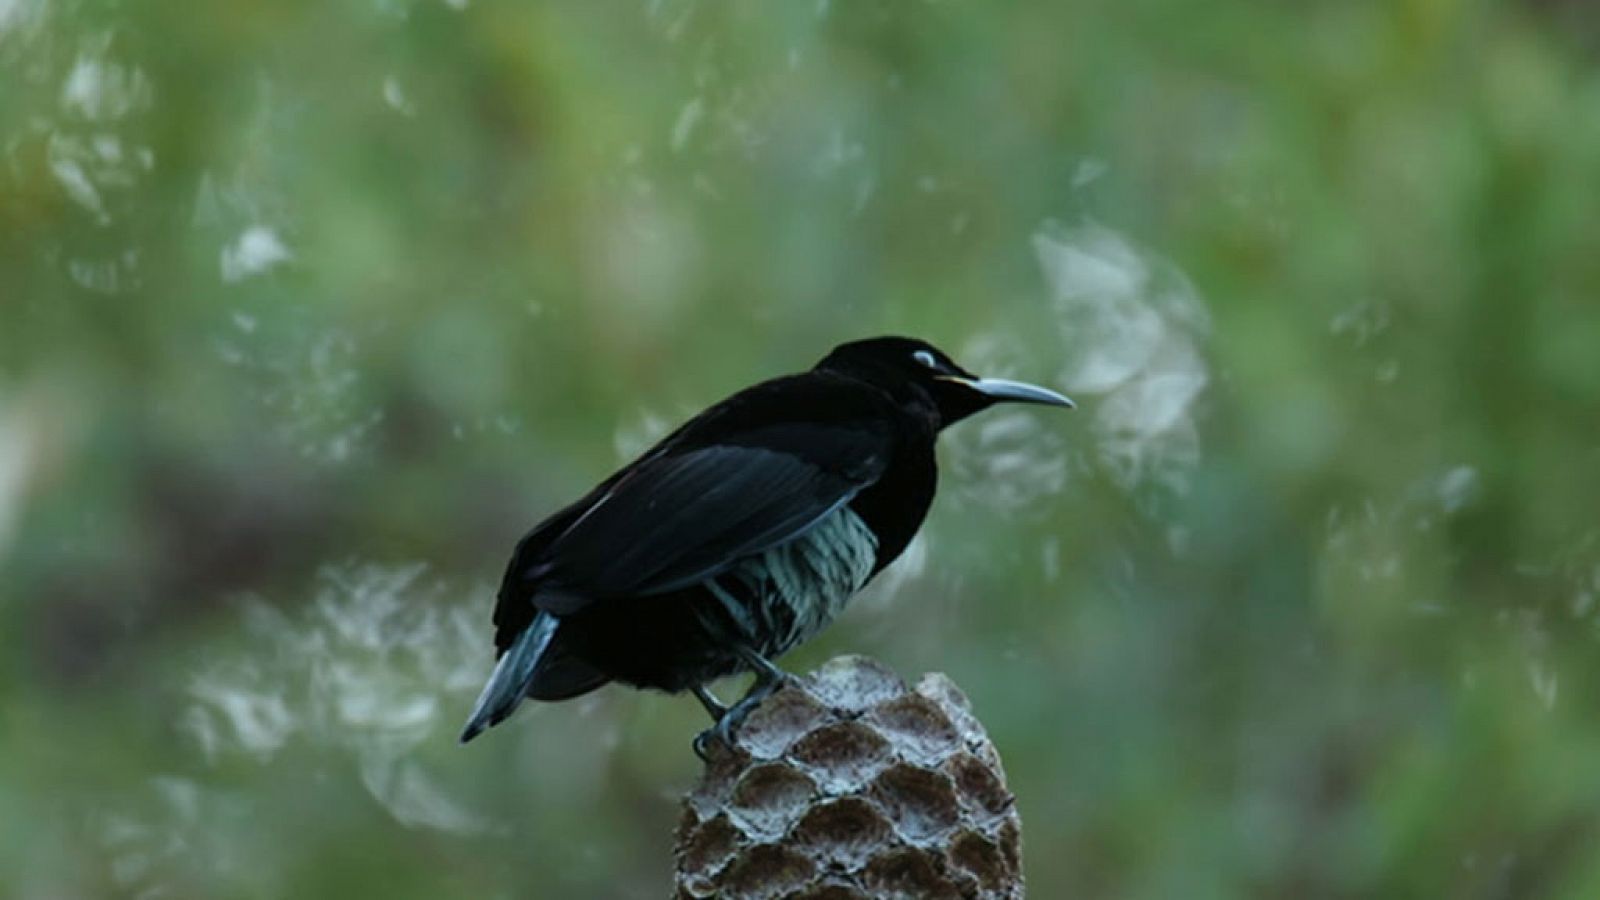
(847, 784)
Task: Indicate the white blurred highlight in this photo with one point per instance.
(256, 250)
(1131, 325)
(365, 668)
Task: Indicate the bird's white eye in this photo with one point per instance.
(925, 358)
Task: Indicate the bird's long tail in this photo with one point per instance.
(509, 682)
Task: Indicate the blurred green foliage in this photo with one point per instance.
(308, 309)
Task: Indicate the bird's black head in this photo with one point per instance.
(907, 367)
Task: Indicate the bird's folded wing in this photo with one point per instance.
(681, 517)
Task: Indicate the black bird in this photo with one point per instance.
(737, 537)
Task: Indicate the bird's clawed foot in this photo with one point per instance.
(726, 731)
(769, 678)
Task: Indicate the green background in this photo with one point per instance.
(307, 310)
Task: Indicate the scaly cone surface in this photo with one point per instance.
(848, 784)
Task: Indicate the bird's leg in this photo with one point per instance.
(718, 712)
(766, 672)
(709, 700)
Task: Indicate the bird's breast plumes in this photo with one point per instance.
(781, 597)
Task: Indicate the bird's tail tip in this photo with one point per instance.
(483, 719)
(508, 684)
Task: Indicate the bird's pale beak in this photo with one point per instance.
(1001, 390)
